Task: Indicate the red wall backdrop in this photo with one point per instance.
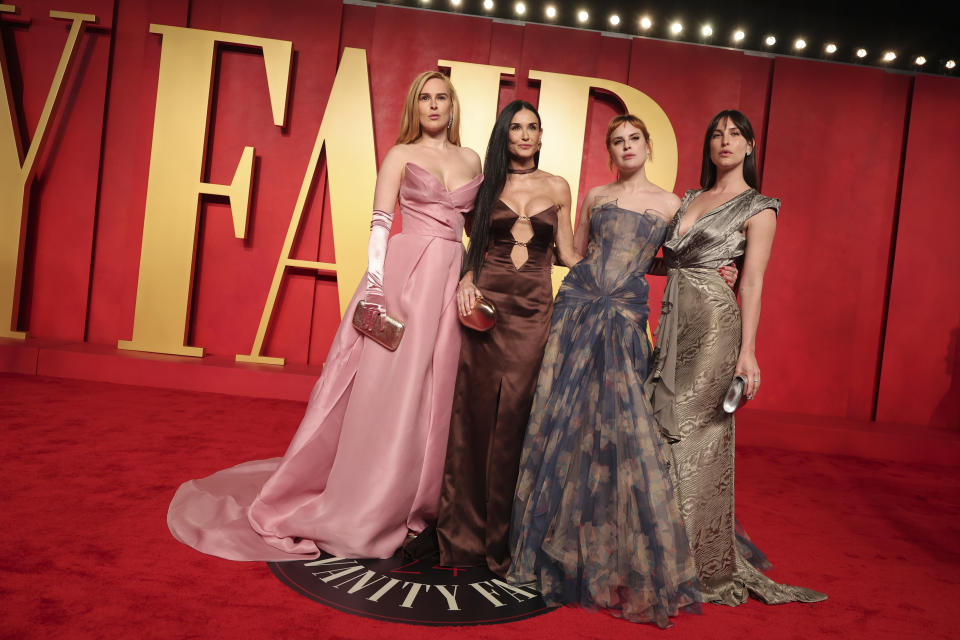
(920, 378)
(834, 144)
(861, 314)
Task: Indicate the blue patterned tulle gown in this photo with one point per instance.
(595, 520)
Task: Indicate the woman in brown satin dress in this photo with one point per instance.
(521, 225)
(703, 339)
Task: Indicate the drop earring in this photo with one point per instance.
(450, 123)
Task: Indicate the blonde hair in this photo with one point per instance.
(627, 118)
(410, 118)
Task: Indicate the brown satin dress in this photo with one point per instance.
(698, 342)
(496, 381)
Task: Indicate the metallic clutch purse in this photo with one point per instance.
(483, 316)
(734, 397)
(371, 321)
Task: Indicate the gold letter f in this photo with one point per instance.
(174, 185)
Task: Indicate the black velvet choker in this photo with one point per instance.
(522, 171)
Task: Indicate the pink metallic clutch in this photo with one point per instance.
(373, 322)
(482, 317)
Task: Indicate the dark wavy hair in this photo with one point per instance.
(708, 170)
(494, 177)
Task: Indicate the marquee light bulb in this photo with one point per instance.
(770, 41)
(861, 53)
(551, 11)
(646, 22)
(455, 3)
(920, 61)
(800, 43)
(582, 16)
(739, 35)
(950, 64)
(831, 48)
(488, 5)
(520, 8)
(889, 56)
(706, 31)
(614, 19)
(676, 28)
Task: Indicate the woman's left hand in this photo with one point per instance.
(748, 368)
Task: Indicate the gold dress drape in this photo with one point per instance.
(698, 342)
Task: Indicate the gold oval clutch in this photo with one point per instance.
(483, 316)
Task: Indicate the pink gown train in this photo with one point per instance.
(366, 463)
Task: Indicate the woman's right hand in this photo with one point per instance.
(729, 273)
(467, 295)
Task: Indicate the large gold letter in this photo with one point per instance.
(478, 88)
(347, 132)
(563, 108)
(174, 184)
(16, 176)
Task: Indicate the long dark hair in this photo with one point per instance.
(708, 170)
(494, 177)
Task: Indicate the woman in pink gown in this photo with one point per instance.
(365, 467)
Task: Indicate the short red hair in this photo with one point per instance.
(627, 118)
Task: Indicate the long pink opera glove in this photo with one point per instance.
(376, 254)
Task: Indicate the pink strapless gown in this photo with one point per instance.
(366, 463)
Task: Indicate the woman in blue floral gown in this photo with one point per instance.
(595, 520)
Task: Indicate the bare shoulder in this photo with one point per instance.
(592, 193)
(597, 194)
(397, 157)
(398, 154)
(470, 158)
(663, 204)
(558, 186)
(761, 226)
(671, 202)
(469, 155)
(766, 218)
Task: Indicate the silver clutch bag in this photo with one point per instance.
(734, 397)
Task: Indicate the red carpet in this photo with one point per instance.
(88, 469)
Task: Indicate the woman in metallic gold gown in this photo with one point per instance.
(703, 339)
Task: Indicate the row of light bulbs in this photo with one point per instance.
(676, 28)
